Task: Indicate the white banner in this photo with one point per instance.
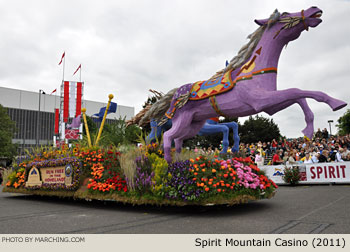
(72, 98)
(336, 172)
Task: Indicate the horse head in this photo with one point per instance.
(288, 26)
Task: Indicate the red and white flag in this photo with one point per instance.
(64, 53)
(53, 91)
(71, 99)
(79, 67)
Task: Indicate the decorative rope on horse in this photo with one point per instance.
(214, 104)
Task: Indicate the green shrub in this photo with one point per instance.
(291, 175)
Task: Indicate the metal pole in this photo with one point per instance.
(104, 119)
(83, 110)
(330, 127)
(64, 64)
(38, 121)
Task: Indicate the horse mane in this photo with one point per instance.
(247, 50)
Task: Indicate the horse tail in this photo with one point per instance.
(158, 109)
(136, 119)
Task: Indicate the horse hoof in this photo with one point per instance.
(340, 106)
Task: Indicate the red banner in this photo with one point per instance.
(66, 102)
(72, 134)
(78, 106)
(57, 121)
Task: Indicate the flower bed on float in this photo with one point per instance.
(140, 176)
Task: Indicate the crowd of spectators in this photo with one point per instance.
(322, 148)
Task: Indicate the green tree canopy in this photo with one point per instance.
(258, 128)
(344, 123)
(7, 127)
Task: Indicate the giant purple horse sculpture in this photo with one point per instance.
(253, 73)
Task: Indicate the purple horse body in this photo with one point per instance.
(255, 89)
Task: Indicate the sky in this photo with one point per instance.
(128, 47)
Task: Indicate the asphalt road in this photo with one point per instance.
(294, 210)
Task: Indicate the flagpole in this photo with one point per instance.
(64, 63)
(83, 110)
(104, 119)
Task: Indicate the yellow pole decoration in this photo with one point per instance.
(104, 118)
(86, 127)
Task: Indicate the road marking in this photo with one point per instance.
(320, 228)
(286, 227)
(320, 208)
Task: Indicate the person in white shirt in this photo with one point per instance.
(315, 157)
(259, 160)
(338, 155)
(345, 152)
(307, 159)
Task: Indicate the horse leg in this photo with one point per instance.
(191, 132)
(264, 100)
(234, 127)
(309, 115)
(209, 129)
(180, 127)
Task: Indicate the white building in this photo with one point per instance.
(23, 108)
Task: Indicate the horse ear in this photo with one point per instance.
(261, 22)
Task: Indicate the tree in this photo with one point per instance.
(7, 128)
(91, 125)
(117, 133)
(344, 124)
(258, 128)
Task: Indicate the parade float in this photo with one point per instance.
(156, 173)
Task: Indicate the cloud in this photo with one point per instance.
(128, 47)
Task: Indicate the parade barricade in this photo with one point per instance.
(316, 173)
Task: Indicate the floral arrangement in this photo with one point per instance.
(291, 175)
(193, 180)
(16, 178)
(101, 183)
(181, 185)
(200, 178)
(104, 166)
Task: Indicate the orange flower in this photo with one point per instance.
(206, 189)
(219, 190)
